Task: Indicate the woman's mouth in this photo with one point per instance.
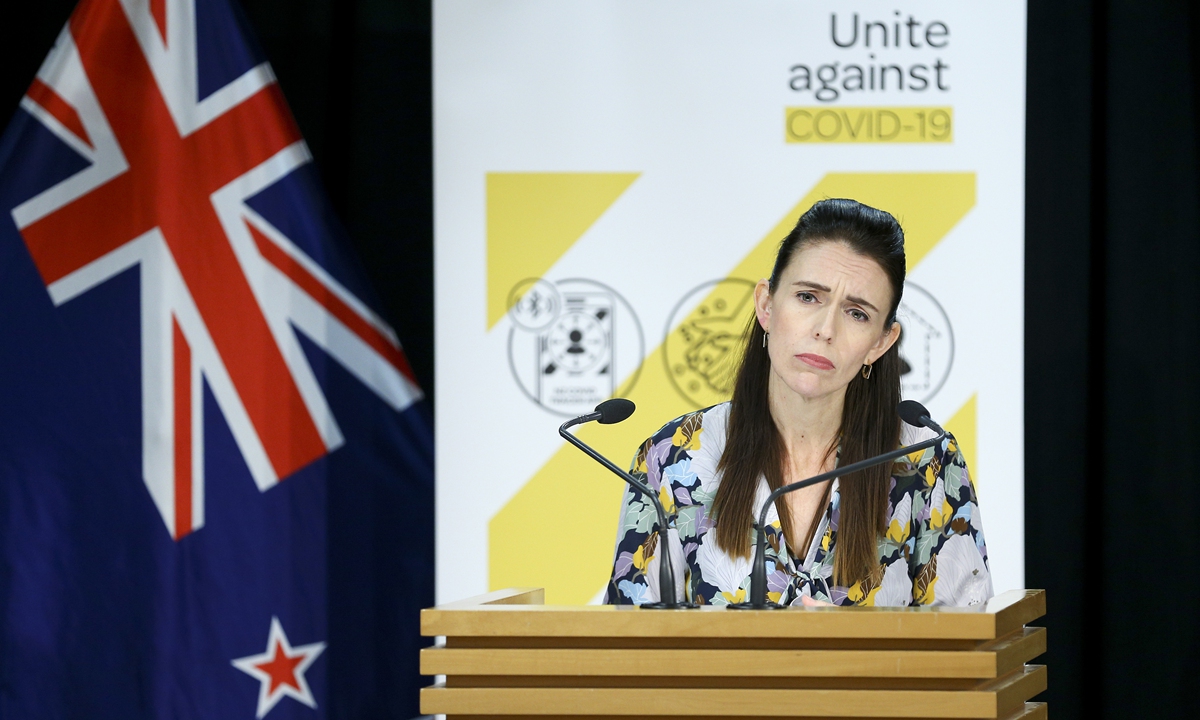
(820, 362)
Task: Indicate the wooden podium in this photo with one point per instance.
(509, 655)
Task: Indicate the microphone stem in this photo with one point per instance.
(666, 573)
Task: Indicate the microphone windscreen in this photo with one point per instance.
(911, 412)
(615, 410)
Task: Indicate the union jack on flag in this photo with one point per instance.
(215, 475)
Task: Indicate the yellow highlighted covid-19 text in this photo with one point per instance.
(869, 124)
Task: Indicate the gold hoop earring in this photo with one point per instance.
(866, 372)
(765, 336)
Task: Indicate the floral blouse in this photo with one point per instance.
(933, 552)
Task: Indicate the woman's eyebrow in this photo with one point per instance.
(822, 288)
(812, 285)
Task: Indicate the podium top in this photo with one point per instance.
(520, 612)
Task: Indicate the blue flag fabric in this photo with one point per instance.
(216, 472)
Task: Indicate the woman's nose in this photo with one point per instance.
(825, 325)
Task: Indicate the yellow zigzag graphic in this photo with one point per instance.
(525, 544)
(533, 218)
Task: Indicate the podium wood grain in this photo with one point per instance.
(507, 655)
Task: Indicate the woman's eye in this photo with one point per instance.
(859, 315)
(806, 297)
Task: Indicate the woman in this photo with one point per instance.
(818, 385)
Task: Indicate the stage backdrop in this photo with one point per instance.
(611, 178)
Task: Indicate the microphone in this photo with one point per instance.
(915, 414)
(610, 412)
(911, 412)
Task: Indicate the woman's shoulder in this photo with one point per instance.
(921, 470)
(698, 436)
(687, 428)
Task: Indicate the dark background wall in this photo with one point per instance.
(1111, 336)
(1112, 296)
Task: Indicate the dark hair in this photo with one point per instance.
(869, 426)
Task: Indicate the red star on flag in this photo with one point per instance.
(280, 670)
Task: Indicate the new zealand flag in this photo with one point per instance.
(215, 465)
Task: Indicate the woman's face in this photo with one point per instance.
(826, 318)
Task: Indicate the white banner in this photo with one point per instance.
(611, 178)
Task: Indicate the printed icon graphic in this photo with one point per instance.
(704, 340)
(571, 343)
(926, 345)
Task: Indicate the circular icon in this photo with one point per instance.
(534, 303)
(704, 339)
(926, 344)
(574, 359)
